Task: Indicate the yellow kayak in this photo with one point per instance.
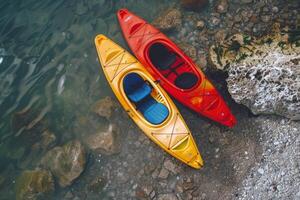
(146, 102)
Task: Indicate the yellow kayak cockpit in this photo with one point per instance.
(142, 94)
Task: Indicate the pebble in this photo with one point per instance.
(152, 194)
(265, 18)
(163, 174)
(200, 24)
(261, 171)
(170, 166)
(222, 6)
(237, 18)
(215, 21)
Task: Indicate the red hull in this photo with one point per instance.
(202, 97)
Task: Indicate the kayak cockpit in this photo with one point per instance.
(172, 66)
(140, 93)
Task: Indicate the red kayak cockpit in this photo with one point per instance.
(172, 66)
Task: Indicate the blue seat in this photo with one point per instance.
(138, 91)
(135, 87)
(153, 111)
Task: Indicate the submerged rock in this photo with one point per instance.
(97, 185)
(66, 162)
(33, 184)
(264, 73)
(190, 50)
(222, 6)
(106, 142)
(171, 19)
(104, 107)
(47, 139)
(194, 4)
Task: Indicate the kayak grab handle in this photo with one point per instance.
(122, 13)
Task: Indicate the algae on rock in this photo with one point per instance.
(33, 184)
(264, 73)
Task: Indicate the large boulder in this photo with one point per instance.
(66, 162)
(264, 73)
(171, 19)
(106, 142)
(34, 184)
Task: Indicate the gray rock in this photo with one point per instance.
(97, 185)
(163, 174)
(106, 142)
(66, 162)
(271, 86)
(189, 50)
(104, 107)
(169, 20)
(263, 73)
(214, 21)
(170, 166)
(34, 184)
(265, 18)
(200, 24)
(222, 6)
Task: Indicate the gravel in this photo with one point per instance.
(277, 176)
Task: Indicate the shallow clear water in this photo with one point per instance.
(49, 73)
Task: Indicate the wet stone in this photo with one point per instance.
(97, 185)
(214, 21)
(202, 61)
(106, 142)
(190, 50)
(34, 184)
(104, 107)
(170, 166)
(169, 20)
(222, 6)
(200, 24)
(163, 174)
(66, 162)
(48, 139)
(265, 18)
(68, 195)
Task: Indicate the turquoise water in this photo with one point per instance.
(49, 73)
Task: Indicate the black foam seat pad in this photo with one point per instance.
(186, 80)
(161, 57)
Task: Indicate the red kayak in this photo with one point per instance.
(173, 70)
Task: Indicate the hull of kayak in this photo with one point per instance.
(172, 134)
(202, 97)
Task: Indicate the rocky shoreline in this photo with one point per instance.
(256, 68)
